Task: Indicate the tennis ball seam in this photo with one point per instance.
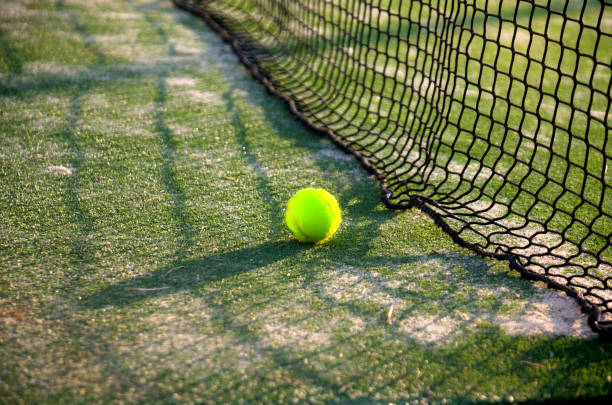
(295, 221)
(320, 197)
(334, 226)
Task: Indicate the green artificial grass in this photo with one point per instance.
(463, 108)
(144, 259)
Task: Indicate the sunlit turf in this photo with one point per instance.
(494, 112)
(143, 257)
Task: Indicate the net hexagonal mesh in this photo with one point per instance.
(493, 117)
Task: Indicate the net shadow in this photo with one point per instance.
(492, 119)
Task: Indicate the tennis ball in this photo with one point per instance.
(312, 215)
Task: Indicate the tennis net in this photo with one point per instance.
(493, 117)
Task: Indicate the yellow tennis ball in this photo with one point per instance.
(312, 215)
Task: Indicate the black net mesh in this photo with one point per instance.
(491, 116)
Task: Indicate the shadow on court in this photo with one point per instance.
(379, 358)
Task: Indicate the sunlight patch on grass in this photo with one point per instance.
(431, 329)
(548, 313)
(63, 170)
(121, 15)
(204, 97)
(181, 81)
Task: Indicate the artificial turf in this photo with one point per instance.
(143, 256)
